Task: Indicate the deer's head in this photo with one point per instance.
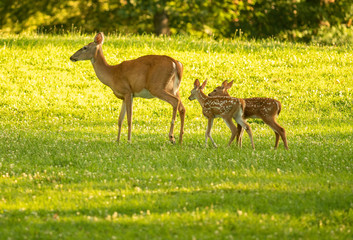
(197, 89)
(89, 51)
(221, 90)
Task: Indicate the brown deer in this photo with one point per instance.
(147, 77)
(265, 108)
(220, 106)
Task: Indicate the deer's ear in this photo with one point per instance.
(196, 83)
(99, 38)
(203, 84)
(229, 85)
(224, 84)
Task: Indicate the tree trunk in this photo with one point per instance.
(161, 23)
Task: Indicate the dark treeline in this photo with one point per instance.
(285, 19)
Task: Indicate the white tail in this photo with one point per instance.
(221, 106)
(147, 77)
(265, 108)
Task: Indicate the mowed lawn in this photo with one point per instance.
(63, 175)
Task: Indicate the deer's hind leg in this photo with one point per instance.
(277, 140)
(175, 102)
(182, 119)
(240, 132)
(279, 131)
(232, 128)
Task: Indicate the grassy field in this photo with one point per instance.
(63, 176)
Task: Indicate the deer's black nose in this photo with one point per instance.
(73, 59)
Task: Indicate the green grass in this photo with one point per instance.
(63, 176)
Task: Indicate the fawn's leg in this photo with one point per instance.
(232, 128)
(277, 140)
(240, 120)
(240, 132)
(208, 132)
(278, 130)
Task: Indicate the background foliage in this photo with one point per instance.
(304, 20)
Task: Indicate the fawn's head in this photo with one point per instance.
(89, 51)
(221, 90)
(197, 89)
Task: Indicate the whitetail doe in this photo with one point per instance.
(221, 106)
(265, 108)
(147, 77)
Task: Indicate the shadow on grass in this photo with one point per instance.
(256, 194)
(198, 212)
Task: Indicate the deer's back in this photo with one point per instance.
(148, 72)
(221, 105)
(259, 107)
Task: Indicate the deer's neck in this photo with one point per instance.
(102, 68)
(201, 97)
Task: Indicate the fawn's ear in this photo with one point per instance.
(224, 84)
(99, 38)
(203, 84)
(229, 85)
(196, 83)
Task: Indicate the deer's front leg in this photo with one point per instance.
(128, 104)
(241, 121)
(208, 132)
(121, 118)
